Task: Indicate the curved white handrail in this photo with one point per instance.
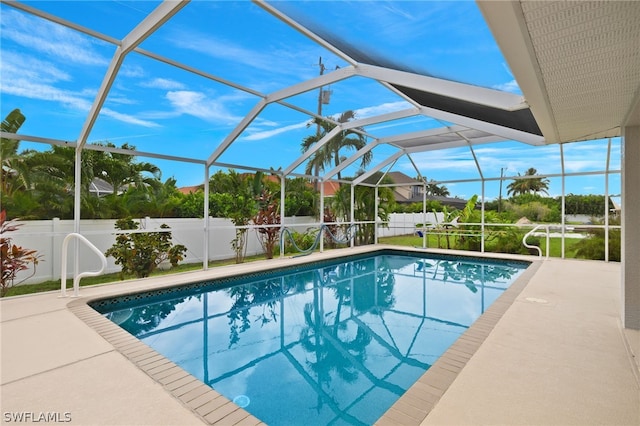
(76, 279)
(528, 234)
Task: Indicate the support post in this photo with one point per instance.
(205, 260)
(630, 226)
(282, 205)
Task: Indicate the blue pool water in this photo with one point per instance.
(325, 344)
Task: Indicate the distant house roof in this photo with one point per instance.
(458, 203)
(330, 188)
(267, 177)
(399, 177)
(189, 189)
(100, 187)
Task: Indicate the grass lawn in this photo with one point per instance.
(555, 247)
(52, 285)
(403, 240)
(555, 244)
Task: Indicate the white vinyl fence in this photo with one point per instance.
(406, 223)
(46, 237)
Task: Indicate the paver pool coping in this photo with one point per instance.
(213, 408)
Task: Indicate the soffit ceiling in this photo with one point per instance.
(577, 62)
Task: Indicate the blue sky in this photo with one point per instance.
(52, 74)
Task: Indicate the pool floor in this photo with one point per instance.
(419, 398)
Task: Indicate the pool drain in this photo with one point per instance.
(241, 401)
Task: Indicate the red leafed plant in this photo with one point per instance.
(14, 258)
(269, 216)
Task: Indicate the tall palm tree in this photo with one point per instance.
(528, 185)
(329, 154)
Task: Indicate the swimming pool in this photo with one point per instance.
(336, 342)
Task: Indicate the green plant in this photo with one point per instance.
(233, 195)
(268, 215)
(593, 247)
(509, 240)
(13, 258)
(303, 241)
(141, 253)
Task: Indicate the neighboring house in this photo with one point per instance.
(616, 210)
(411, 191)
(100, 188)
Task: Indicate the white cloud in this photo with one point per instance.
(509, 86)
(384, 108)
(259, 135)
(54, 40)
(16, 65)
(80, 101)
(126, 118)
(122, 100)
(256, 133)
(131, 71)
(28, 89)
(454, 161)
(163, 83)
(224, 49)
(199, 105)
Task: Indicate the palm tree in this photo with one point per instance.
(329, 154)
(121, 170)
(433, 188)
(364, 206)
(528, 185)
(14, 172)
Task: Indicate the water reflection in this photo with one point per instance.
(339, 343)
(142, 319)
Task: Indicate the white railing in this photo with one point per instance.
(77, 277)
(528, 234)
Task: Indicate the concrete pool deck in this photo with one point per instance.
(558, 355)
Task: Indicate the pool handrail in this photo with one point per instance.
(528, 234)
(76, 279)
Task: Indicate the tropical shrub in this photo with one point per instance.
(535, 211)
(592, 247)
(303, 240)
(140, 254)
(268, 217)
(13, 257)
(233, 195)
(509, 240)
